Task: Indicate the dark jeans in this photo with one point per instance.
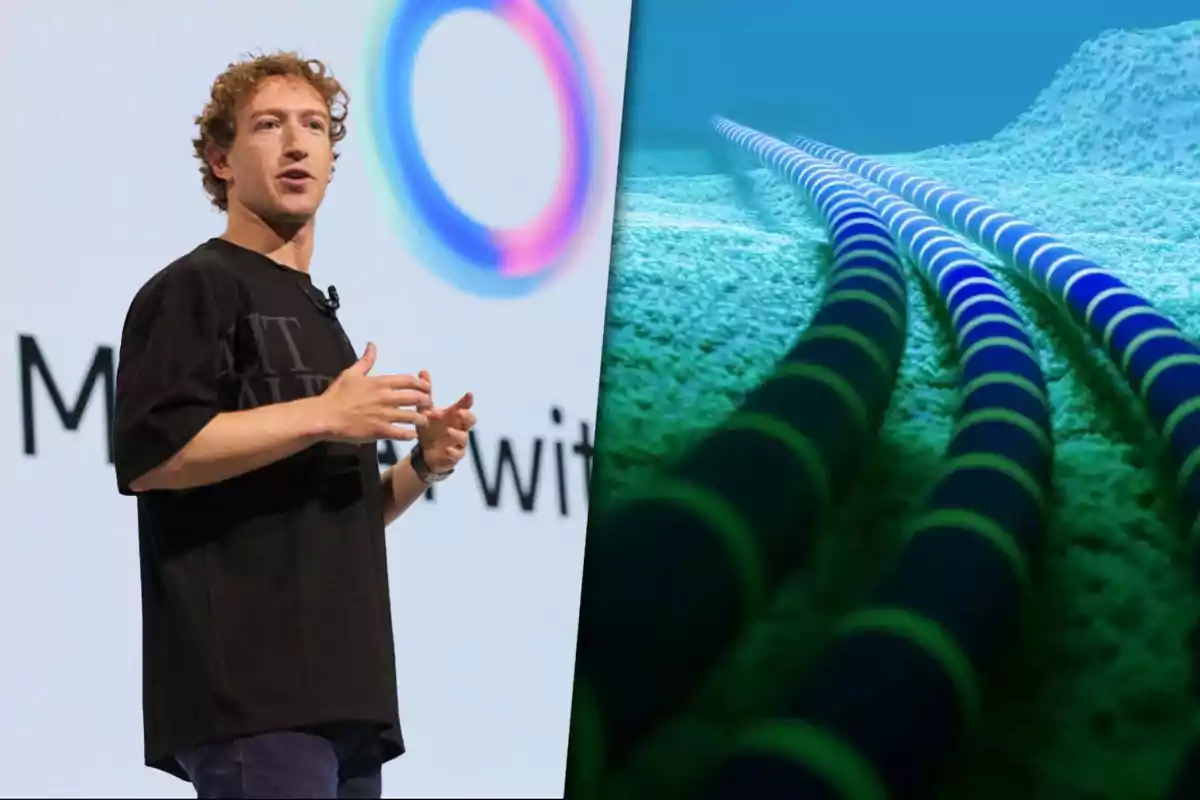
(287, 764)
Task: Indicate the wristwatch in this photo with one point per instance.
(416, 457)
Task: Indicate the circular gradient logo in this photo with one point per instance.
(483, 260)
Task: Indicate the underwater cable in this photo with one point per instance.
(900, 680)
(1160, 363)
(673, 573)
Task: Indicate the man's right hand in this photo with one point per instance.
(364, 408)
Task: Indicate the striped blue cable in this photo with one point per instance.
(673, 573)
(1160, 363)
(888, 699)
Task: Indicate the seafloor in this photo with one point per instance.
(715, 273)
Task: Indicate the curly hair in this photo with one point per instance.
(217, 123)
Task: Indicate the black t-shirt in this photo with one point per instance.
(264, 597)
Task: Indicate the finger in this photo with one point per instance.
(456, 450)
(457, 438)
(401, 416)
(411, 398)
(405, 382)
(364, 364)
(424, 375)
(466, 420)
(465, 402)
(397, 434)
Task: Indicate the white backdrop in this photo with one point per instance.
(100, 191)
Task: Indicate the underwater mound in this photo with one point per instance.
(1127, 102)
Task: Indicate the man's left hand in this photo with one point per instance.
(443, 437)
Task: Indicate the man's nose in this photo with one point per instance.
(292, 143)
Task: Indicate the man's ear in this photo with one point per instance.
(218, 161)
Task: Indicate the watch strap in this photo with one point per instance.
(421, 467)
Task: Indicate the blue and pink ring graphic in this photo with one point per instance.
(470, 255)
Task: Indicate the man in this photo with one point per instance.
(246, 426)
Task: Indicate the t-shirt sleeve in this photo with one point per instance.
(168, 373)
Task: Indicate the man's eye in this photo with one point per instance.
(267, 123)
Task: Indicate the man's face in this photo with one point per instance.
(282, 157)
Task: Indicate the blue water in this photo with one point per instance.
(850, 73)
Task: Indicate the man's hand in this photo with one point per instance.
(443, 436)
(364, 408)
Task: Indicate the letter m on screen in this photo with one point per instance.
(99, 374)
